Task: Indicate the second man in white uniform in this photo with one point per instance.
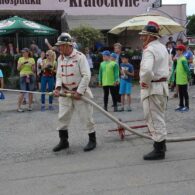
(154, 72)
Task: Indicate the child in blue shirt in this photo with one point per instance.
(127, 73)
(1, 85)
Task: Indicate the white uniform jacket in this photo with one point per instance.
(73, 73)
(154, 66)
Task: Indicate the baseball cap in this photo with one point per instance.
(124, 55)
(106, 53)
(181, 47)
(25, 50)
(113, 55)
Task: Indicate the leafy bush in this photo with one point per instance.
(191, 25)
(86, 35)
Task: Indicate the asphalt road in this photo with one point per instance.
(29, 167)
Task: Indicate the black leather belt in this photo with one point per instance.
(160, 80)
(74, 89)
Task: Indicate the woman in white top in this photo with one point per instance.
(39, 71)
(89, 58)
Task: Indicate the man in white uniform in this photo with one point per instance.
(154, 72)
(73, 76)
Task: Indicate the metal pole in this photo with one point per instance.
(17, 41)
(169, 139)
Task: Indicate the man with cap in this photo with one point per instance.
(73, 76)
(154, 71)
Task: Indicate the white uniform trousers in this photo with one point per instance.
(66, 108)
(154, 107)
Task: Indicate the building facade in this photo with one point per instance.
(100, 14)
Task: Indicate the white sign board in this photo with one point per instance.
(81, 7)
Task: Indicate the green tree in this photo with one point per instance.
(86, 35)
(191, 25)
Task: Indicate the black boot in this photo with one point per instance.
(158, 153)
(92, 142)
(63, 144)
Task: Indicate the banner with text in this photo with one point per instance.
(81, 7)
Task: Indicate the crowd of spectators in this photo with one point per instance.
(37, 70)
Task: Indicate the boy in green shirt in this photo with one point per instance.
(182, 78)
(108, 79)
